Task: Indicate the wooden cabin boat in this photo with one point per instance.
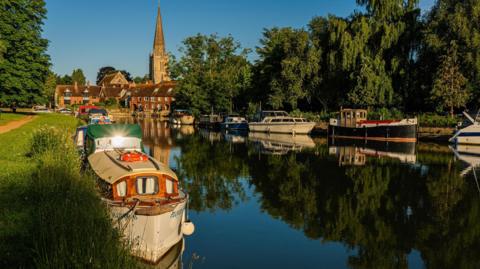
(353, 124)
(280, 122)
(182, 116)
(210, 121)
(142, 194)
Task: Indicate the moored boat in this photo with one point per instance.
(469, 134)
(210, 121)
(234, 122)
(142, 194)
(182, 116)
(280, 122)
(353, 124)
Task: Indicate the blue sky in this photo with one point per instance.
(89, 34)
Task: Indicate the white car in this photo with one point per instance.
(65, 111)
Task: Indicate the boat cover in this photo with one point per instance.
(108, 166)
(112, 130)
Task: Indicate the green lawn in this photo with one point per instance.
(8, 117)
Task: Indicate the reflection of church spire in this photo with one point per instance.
(159, 57)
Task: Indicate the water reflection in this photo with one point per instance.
(280, 144)
(379, 203)
(354, 152)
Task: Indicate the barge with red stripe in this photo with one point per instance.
(353, 124)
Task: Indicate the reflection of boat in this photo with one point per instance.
(280, 122)
(235, 138)
(470, 154)
(142, 194)
(355, 152)
(181, 116)
(278, 144)
(353, 124)
(172, 259)
(211, 135)
(468, 135)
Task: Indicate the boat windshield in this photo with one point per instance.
(124, 143)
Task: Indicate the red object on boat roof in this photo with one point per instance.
(133, 157)
(377, 122)
(85, 109)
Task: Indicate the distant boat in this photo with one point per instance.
(234, 122)
(353, 124)
(142, 194)
(468, 135)
(280, 122)
(210, 121)
(182, 116)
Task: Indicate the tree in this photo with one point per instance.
(65, 80)
(104, 71)
(449, 85)
(26, 64)
(78, 76)
(140, 80)
(211, 73)
(49, 88)
(287, 65)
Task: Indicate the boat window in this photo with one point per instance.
(276, 120)
(169, 186)
(80, 138)
(147, 185)
(122, 189)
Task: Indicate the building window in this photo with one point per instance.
(139, 99)
(146, 99)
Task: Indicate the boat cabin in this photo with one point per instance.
(351, 117)
(133, 175)
(94, 138)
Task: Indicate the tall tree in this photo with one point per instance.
(49, 88)
(211, 73)
(457, 21)
(287, 65)
(78, 76)
(26, 64)
(449, 85)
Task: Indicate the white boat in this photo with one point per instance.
(280, 122)
(142, 194)
(469, 134)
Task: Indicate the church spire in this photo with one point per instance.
(159, 57)
(159, 41)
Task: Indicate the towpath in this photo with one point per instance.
(15, 124)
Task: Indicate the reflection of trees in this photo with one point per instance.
(383, 210)
(210, 173)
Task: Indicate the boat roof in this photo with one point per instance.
(112, 130)
(108, 166)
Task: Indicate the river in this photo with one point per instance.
(274, 201)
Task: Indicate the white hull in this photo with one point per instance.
(185, 120)
(468, 135)
(151, 236)
(281, 127)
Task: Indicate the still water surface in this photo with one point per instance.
(274, 201)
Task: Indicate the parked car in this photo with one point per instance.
(65, 111)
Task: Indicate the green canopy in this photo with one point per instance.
(95, 131)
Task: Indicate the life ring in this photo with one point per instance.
(133, 157)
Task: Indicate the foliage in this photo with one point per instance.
(25, 65)
(140, 80)
(53, 216)
(49, 87)
(448, 87)
(434, 120)
(286, 68)
(78, 76)
(213, 72)
(65, 80)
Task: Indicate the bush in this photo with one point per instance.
(435, 120)
(47, 139)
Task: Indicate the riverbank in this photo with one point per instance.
(50, 213)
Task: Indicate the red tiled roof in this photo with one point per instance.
(78, 91)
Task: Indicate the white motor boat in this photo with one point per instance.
(469, 134)
(280, 122)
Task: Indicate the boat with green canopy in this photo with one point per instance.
(142, 193)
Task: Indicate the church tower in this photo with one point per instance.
(159, 57)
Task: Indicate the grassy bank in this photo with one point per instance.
(50, 213)
(8, 117)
